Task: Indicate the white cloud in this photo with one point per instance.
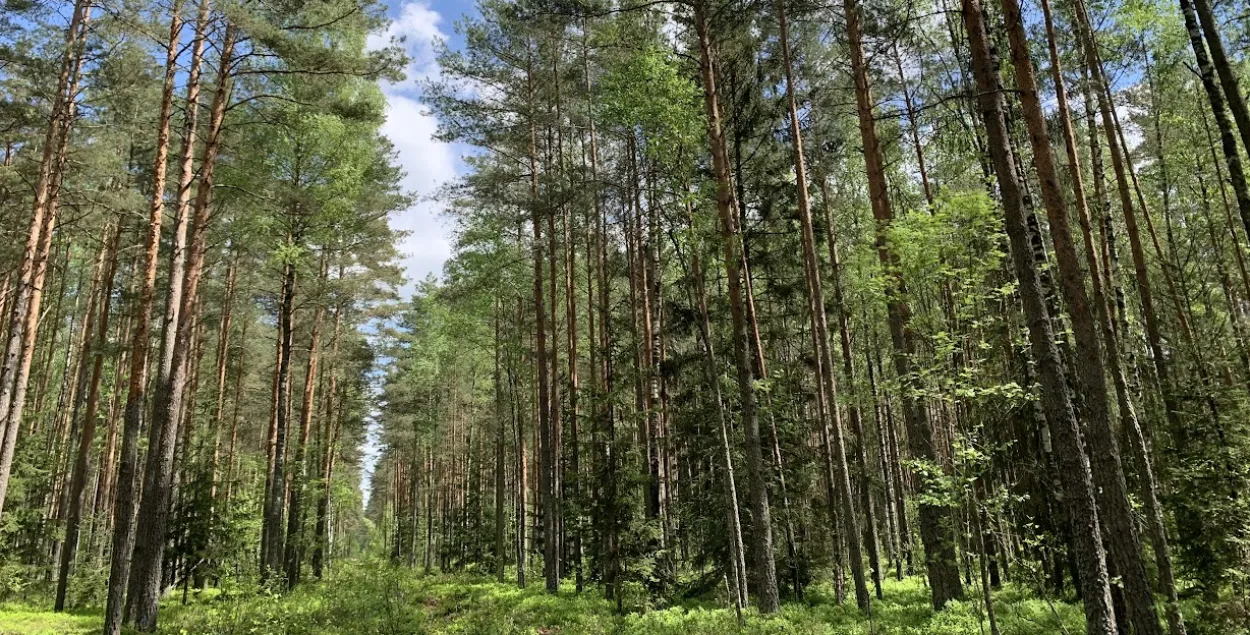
(417, 30)
(428, 162)
(1133, 134)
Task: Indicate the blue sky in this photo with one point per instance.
(429, 163)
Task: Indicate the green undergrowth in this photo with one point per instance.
(386, 601)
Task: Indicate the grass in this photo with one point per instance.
(385, 601)
(24, 620)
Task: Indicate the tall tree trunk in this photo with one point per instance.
(329, 443)
(266, 528)
(1111, 491)
(136, 393)
(827, 376)
(653, 291)
(1124, 403)
(74, 374)
(105, 463)
(500, 555)
(913, 125)
(574, 388)
(593, 212)
(605, 421)
(856, 415)
(1074, 470)
(765, 571)
(521, 470)
(737, 576)
(275, 496)
(553, 505)
(94, 352)
(169, 398)
(895, 506)
(1223, 68)
(546, 473)
(294, 553)
(937, 523)
(1206, 72)
(237, 400)
(32, 268)
(222, 366)
(1145, 294)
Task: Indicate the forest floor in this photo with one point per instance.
(380, 600)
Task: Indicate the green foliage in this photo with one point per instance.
(647, 90)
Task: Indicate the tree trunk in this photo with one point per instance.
(168, 401)
(765, 572)
(913, 125)
(521, 471)
(605, 420)
(1228, 143)
(574, 391)
(857, 425)
(1223, 68)
(552, 506)
(546, 472)
(136, 393)
(329, 442)
(1074, 470)
(827, 376)
(222, 365)
(94, 352)
(1124, 403)
(937, 523)
(737, 577)
(237, 400)
(1111, 491)
(271, 562)
(24, 312)
(500, 556)
(1118, 163)
(294, 553)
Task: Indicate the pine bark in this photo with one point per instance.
(1119, 165)
(546, 473)
(736, 577)
(275, 495)
(937, 523)
(93, 351)
(1223, 67)
(501, 521)
(124, 530)
(765, 570)
(1074, 469)
(294, 548)
(1219, 106)
(329, 446)
(1127, 412)
(24, 310)
(1111, 490)
(222, 366)
(827, 376)
(169, 398)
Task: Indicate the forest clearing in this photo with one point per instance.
(922, 317)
